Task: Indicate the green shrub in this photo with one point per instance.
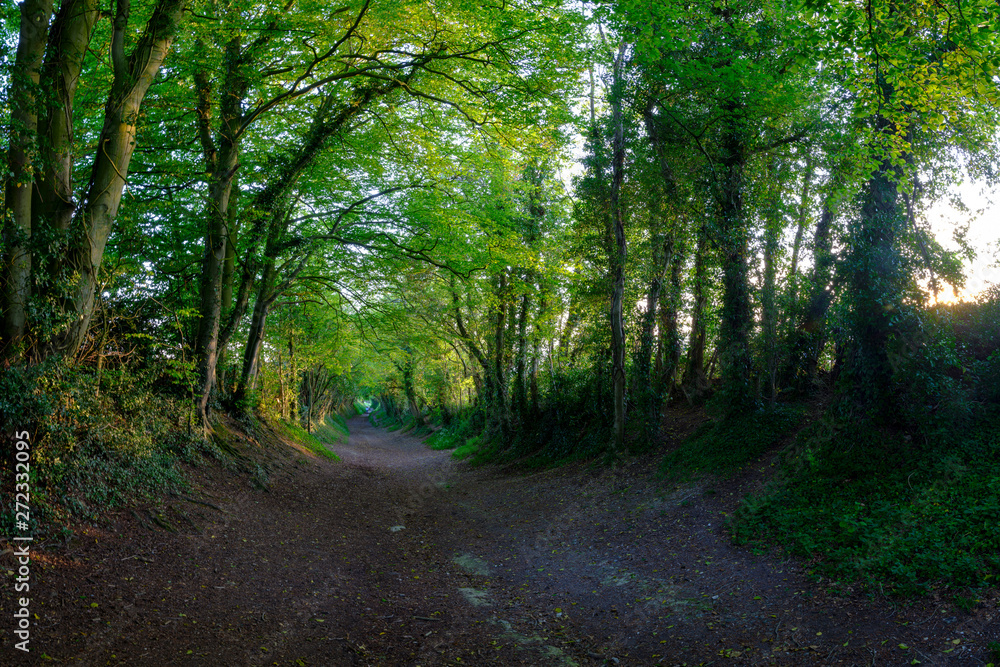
(444, 439)
(725, 445)
(976, 324)
(316, 442)
(99, 438)
(879, 509)
(466, 450)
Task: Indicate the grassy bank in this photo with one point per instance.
(883, 511)
(104, 439)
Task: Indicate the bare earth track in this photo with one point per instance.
(397, 555)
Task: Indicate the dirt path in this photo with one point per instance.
(398, 555)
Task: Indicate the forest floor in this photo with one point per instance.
(399, 555)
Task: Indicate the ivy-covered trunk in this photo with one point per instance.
(520, 398)
(409, 368)
(734, 241)
(56, 242)
(696, 384)
(499, 401)
(773, 223)
(668, 345)
(619, 252)
(34, 31)
(876, 279)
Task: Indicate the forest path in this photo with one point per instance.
(398, 555)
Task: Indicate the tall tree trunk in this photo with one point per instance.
(794, 308)
(521, 367)
(573, 317)
(35, 18)
(876, 278)
(668, 347)
(409, 390)
(133, 75)
(802, 218)
(769, 306)
(222, 162)
(696, 384)
(53, 205)
(210, 308)
(734, 241)
(229, 261)
(619, 253)
(255, 337)
(309, 381)
(282, 391)
(501, 403)
(805, 341)
(534, 175)
(485, 382)
(536, 351)
(294, 411)
(73, 237)
(672, 260)
(644, 356)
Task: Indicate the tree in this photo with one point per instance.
(56, 241)
(379, 53)
(921, 66)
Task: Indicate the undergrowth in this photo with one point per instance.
(463, 436)
(99, 439)
(881, 510)
(333, 431)
(106, 438)
(725, 445)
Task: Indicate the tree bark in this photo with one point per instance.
(668, 347)
(734, 241)
(876, 280)
(33, 35)
(521, 367)
(132, 78)
(668, 302)
(805, 341)
(696, 384)
(573, 317)
(221, 154)
(501, 403)
(620, 252)
(229, 260)
(802, 219)
(768, 298)
(294, 411)
(409, 390)
(644, 356)
(255, 337)
(72, 30)
(536, 352)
